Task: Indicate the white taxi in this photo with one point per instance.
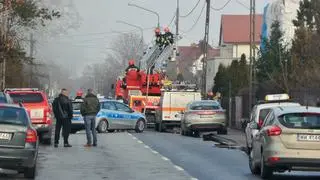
(261, 110)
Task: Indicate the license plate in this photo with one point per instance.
(205, 116)
(5, 136)
(308, 137)
(36, 113)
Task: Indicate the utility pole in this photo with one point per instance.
(205, 58)
(230, 105)
(254, 50)
(32, 42)
(250, 59)
(177, 38)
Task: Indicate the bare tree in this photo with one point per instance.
(128, 46)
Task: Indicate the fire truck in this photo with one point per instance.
(141, 90)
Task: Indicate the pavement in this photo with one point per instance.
(146, 156)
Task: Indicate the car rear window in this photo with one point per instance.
(204, 106)
(301, 120)
(76, 105)
(14, 116)
(27, 97)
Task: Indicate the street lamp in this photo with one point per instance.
(131, 4)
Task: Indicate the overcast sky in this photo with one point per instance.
(88, 43)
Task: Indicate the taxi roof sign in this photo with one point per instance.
(276, 97)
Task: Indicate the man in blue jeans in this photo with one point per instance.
(89, 109)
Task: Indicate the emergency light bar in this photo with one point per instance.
(21, 89)
(277, 97)
(78, 100)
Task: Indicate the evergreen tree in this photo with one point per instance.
(274, 59)
(221, 80)
(305, 46)
(243, 74)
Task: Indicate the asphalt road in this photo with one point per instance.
(119, 156)
(146, 156)
(205, 161)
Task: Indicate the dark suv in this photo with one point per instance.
(38, 108)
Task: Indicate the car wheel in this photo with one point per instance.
(111, 130)
(46, 141)
(102, 126)
(223, 131)
(265, 171)
(140, 126)
(248, 150)
(182, 132)
(30, 172)
(73, 131)
(156, 126)
(253, 168)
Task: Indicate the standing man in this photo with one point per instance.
(62, 109)
(89, 110)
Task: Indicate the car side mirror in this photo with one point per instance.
(254, 125)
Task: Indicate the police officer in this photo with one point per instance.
(63, 112)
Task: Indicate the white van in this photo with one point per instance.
(172, 103)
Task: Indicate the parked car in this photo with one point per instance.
(115, 115)
(77, 122)
(38, 108)
(203, 116)
(18, 140)
(288, 140)
(260, 111)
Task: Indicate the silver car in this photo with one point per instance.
(18, 140)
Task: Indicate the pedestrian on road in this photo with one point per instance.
(62, 109)
(89, 110)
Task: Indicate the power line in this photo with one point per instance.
(191, 10)
(172, 19)
(242, 4)
(196, 22)
(219, 9)
(101, 33)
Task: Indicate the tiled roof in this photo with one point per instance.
(235, 29)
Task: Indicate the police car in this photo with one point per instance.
(77, 122)
(115, 115)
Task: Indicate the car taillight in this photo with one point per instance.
(48, 117)
(260, 123)
(31, 136)
(274, 131)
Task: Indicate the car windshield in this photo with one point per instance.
(76, 105)
(11, 115)
(27, 97)
(205, 106)
(301, 120)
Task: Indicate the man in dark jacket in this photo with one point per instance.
(62, 109)
(89, 110)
